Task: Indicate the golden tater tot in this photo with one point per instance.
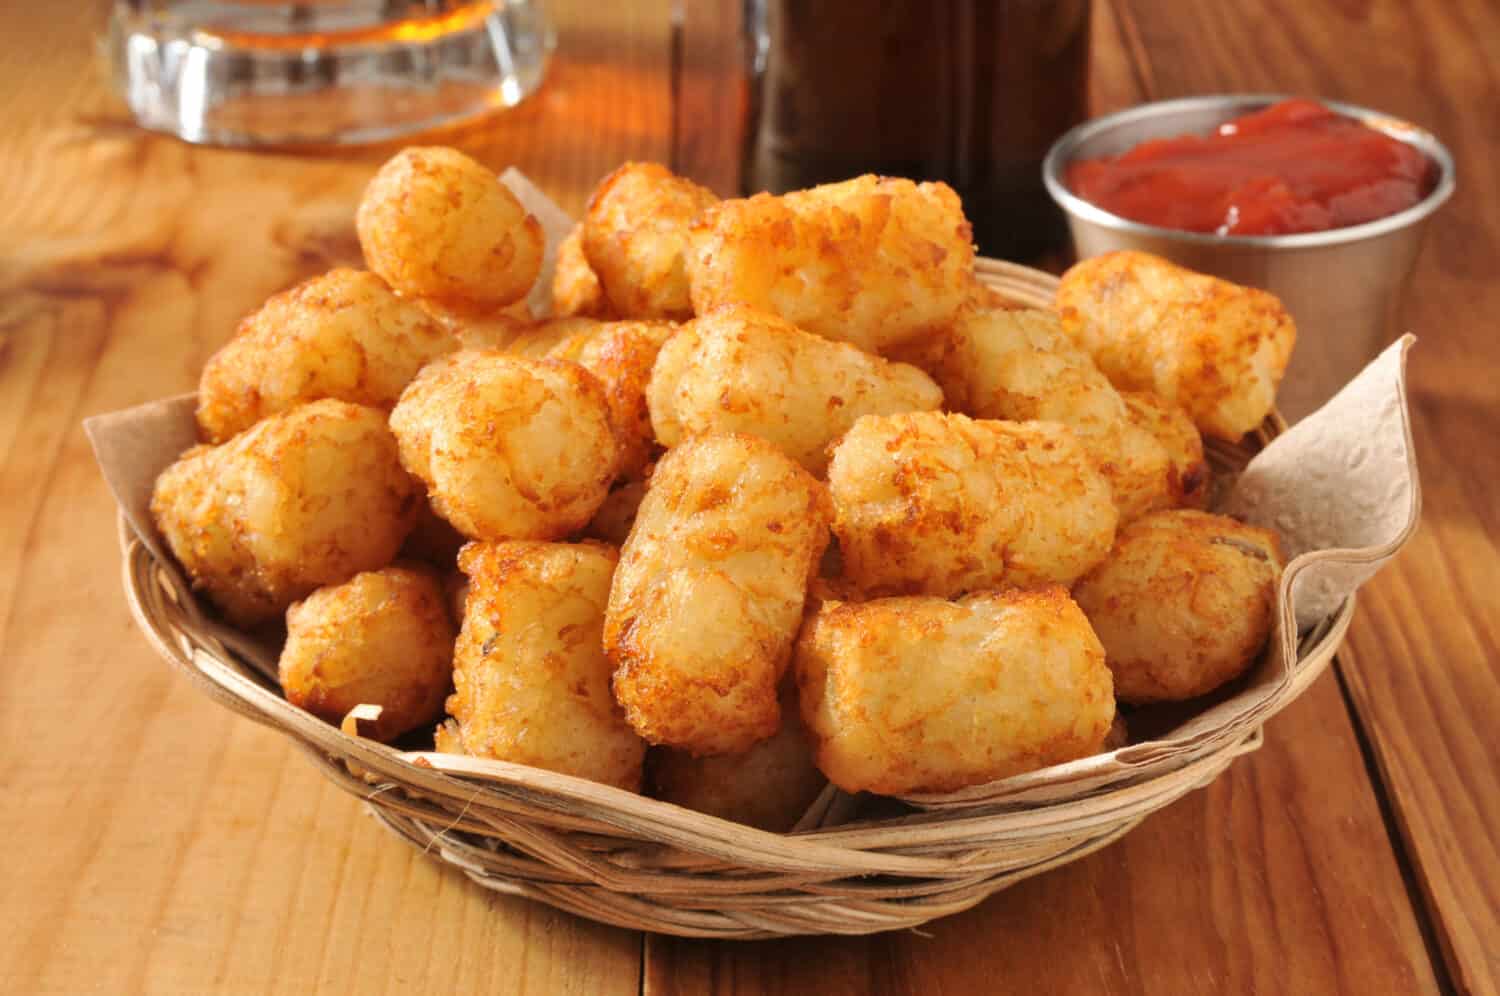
(925, 695)
(1215, 348)
(509, 448)
(739, 370)
(709, 592)
(382, 637)
(874, 261)
(306, 498)
(447, 739)
(1018, 364)
(940, 504)
(769, 786)
(1183, 604)
(487, 330)
(342, 335)
(530, 680)
(436, 224)
(1170, 426)
(537, 340)
(621, 356)
(634, 237)
(575, 286)
(616, 517)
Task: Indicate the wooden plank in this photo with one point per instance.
(166, 846)
(1424, 651)
(1278, 877)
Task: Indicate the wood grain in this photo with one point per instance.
(167, 846)
(1229, 890)
(1238, 888)
(1424, 651)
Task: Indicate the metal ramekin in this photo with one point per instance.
(1343, 287)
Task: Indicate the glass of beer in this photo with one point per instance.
(322, 72)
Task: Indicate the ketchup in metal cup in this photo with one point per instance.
(1296, 166)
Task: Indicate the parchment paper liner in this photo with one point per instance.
(1341, 522)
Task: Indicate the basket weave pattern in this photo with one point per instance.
(623, 859)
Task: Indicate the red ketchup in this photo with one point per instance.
(1294, 167)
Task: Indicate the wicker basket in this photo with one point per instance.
(624, 859)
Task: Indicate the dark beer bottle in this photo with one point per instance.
(971, 92)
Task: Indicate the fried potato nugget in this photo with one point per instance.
(490, 330)
(436, 224)
(382, 637)
(541, 338)
(575, 286)
(1018, 364)
(621, 356)
(530, 680)
(709, 592)
(509, 448)
(874, 261)
(740, 370)
(342, 335)
(1215, 348)
(1170, 426)
(940, 504)
(634, 237)
(1183, 604)
(921, 694)
(306, 498)
(769, 786)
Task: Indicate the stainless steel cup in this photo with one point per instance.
(1343, 287)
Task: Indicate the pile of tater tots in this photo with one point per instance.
(778, 495)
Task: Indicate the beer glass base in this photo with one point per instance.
(231, 73)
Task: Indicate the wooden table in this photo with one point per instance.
(155, 843)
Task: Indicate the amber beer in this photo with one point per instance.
(316, 24)
(321, 73)
(971, 92)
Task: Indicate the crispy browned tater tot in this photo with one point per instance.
(509, 448)
(1018, 364)
(382, 637)
(342, 335)
(575, 286)
(1183, 604)
(541, 338)
(530, 680)
(306, 498)
(436, 224)
(634, 237)
(873, 261)
(709, 592)
(739, 370)
(769, 786)
(486, 330)
(621, 355)
(926, 695)
(940, 504)
(1170, 426)
(1215, 348)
